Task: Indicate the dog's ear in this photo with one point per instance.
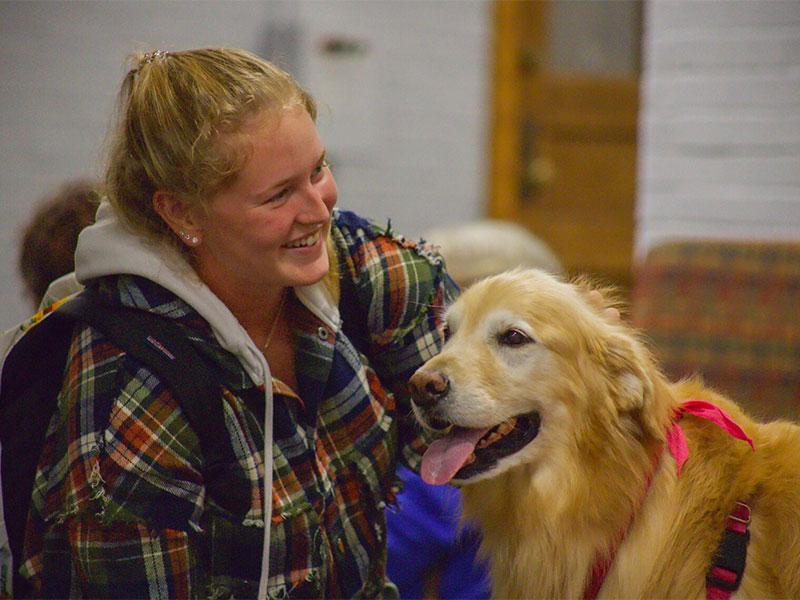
(604, 299)
(636, 384)
(634, 379)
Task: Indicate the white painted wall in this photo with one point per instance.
(720, 121)
(412, 146)
(405, 124)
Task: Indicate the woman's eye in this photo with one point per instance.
(279, 196)
(316, 174)
(513, 337)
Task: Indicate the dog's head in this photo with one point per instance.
(532, 371)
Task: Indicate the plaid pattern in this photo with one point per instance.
(729, 311)
(119, 506)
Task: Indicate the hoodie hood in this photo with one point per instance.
(109, 247)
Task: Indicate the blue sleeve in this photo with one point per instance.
(424, 533)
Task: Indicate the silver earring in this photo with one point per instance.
(192, 240)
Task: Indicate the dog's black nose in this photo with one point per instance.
(428, 386)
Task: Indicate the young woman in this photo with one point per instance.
(220, 217)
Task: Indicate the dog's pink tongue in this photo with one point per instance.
(446, 456)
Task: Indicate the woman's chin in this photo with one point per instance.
(309, 274)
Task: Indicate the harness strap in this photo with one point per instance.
(603, 560)
(727, 566)
(728, 563)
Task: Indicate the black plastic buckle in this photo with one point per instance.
(731, 555)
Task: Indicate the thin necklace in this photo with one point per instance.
(274, 325)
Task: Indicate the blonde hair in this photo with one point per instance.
(180, 116)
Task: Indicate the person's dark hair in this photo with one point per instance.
(48, 240)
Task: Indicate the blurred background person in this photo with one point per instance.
(477, 249)
(47, 248)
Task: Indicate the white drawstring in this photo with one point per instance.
(262, 585)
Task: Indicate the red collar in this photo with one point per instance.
(678, 448)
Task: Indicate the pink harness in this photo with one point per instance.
(727, 566)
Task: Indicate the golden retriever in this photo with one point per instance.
(556, 422)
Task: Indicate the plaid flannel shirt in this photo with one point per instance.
(120, 508)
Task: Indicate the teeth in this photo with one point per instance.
(502, 430)
(306, 241)
(506, 427)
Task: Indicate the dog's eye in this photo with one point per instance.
(513, 337)
(446, 332)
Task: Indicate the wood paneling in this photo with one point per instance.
(563, 149)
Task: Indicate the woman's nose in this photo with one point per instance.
(319, 200)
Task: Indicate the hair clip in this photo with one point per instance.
(153, 56)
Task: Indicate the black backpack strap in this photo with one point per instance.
(162, 345)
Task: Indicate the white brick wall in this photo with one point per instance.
(720, 121)
(414, 149)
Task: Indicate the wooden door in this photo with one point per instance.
(564, 129)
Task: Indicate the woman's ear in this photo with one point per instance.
(179, 217)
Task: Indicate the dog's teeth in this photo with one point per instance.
(502, 430)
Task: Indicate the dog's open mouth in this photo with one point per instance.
(464, 453)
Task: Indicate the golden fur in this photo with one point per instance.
(605, 408)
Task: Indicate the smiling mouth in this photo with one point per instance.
(305, 242)
(464, 453)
